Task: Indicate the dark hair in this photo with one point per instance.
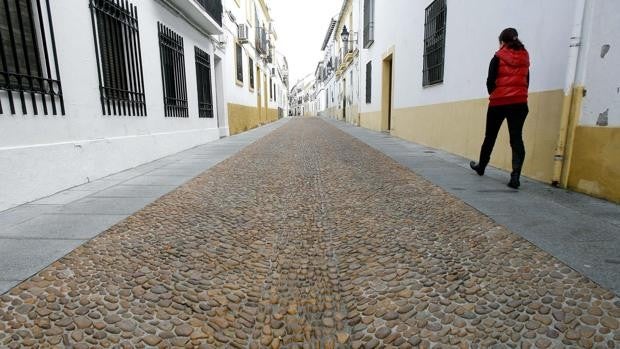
(510, 37)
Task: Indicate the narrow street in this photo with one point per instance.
(309, 238)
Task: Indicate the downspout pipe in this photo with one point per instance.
(569, 88)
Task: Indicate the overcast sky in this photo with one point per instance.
(301, 27)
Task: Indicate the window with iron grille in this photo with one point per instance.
(368, 82)
(239, 62)
(203, 80)
(173, 72)
(251, 72)
(29, 65)
(119, 57)
(434, 42)
(369, 23)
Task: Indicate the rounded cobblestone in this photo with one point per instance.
(308, 238)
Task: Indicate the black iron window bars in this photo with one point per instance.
(203, 80)
(369, 82)
(239, 63)
(434, 42)
(117, 45)
(29, 65)
(369, 22)
(251, 72)
(173, 72)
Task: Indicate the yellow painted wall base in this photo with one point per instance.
(371, 121)
(333, 112)
(242, 117)
(595, 165)
(458, 127)
(353, 115)
(272, 115)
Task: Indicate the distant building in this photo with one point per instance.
(302, 97)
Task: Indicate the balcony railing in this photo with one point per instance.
(261, 40)
(213, 8)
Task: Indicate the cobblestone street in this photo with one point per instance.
(309, 238)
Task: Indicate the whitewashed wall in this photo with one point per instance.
(237, 94)
(241, 94)
(600, 71)
(41, 155)
(471, 41)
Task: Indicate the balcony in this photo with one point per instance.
(213, 8)
(206, 14)
(262, 45)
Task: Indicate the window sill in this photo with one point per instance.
(239, 83)
(435, 84)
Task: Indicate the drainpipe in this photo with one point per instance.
(569, 84)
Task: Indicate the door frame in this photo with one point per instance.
(259, 101)
(222, 123)
(344, 99)
(266, 99)
(387, 90)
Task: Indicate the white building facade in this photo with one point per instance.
(94, 101)
(257, 76)
(423, 67)
(340, 78)
(89, 88)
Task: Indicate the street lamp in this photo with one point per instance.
(345, 34)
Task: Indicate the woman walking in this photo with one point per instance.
(507, 83)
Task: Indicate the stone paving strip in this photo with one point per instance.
(309, 239)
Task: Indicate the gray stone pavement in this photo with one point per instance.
(38, 233)
(579, 230)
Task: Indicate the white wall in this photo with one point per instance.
(41, 155)
(601, 75)
(471, 41)
(237, 94)
(241, 94)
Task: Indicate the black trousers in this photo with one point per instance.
(515, 114)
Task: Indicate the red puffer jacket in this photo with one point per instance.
(512, 77)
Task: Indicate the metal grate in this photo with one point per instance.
(239, 62)
(203, 80)
(173, 72)
(29, 65)
(368, 82)
(261, 40)
(213, 8)
(369, 23)
(119, 57)
(434, 42)
(251, 71)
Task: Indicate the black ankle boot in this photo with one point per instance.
(477, 167)
(514, 181)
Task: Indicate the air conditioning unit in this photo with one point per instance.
(242, 33)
